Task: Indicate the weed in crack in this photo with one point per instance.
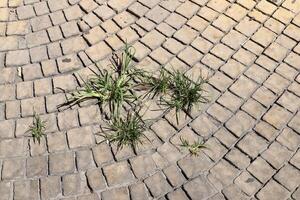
(37, 129)
(194, 148)
(125, 131)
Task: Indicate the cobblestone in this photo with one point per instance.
(249, 50)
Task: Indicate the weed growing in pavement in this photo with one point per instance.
(125, 131)
(112, 88)
(37, 129)
(121, 86)
(185, 94)
(193, 148)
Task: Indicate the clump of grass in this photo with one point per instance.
(182, 92)
(159, 85)
(113, 88)
(193, 148)
(37, 129)
(125, 131)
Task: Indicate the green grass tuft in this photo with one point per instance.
(113, 88)
(125, 131)
(185, 94)
(37, 129)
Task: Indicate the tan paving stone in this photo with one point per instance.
(118, 173)
(273, 190)
(199, 188)
(26, 190)
(247, 183)
(261, 170)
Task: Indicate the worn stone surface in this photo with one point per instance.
(248, 49)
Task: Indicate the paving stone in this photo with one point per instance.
(64, 83)
(225, 137)
(157, 14)
(169, 152)
(247, 183)
(55, 5)
(13, 168)
(50, 187)
(12, 109)
(26, 190)
(7, 129)
(199, 188)
(157, 184)
(84, 159)
(38, 54)
(102, 154)
(175, 20)
(37, 148)
(288, 176)
(118, 173)
(273, 190)
(71, 184)
(153, 39)
(277, 116)
(25, 12)
(193, 166)
(80, 137)
(116, 194)
(138, 191)
(37, 38)
(234, 192)
(165, 29)
(40, 23)
(185, 35)
(60, 163)
(177, 195)
(22, 55)
(224, 23)
(261, 170)
(98, 51)
(142, 165)
(13, 147)
(95, 179)
(256, 146)
(73, 12)
(224, 172)
(73, 44)
(138, 9)
(276, 155)
(5, 190)
(93, 196)
(238, 158)
(294, 123)
(174, 175)
(33, 105)
(36, 166)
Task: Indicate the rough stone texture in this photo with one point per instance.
(250, 51)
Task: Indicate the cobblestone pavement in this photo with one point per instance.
(250, 49)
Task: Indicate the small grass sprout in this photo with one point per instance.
(37, 129)
(193, 148)
(125, 131)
